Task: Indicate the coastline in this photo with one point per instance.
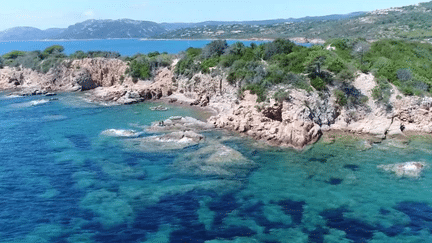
(289, 123)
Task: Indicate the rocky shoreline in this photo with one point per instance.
(296, 122)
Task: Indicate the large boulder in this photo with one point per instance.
(215, 159)
(166, 142)
(121, 133)
(83, 79)
(179, 123)
(408, 169)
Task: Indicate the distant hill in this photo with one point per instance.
(127, 28)
(105, 29)
(409, 22)
(177, 26)
(28, 33)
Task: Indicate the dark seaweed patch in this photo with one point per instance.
(355, 230)
(256, 212)
(294, 209)
(321, 160)
(223, 206)
(393, 230)
(317, 235)
(80, 141)
(352, 167)
(334, 181)
(384, 211)
(420, 215)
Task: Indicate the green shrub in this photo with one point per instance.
(281, 96)
(14, 54)
(53, 49)
(214, 48)
(258, 90)
(341, 98)
(78, 55)
(318, 83)
(404, 74)
(345, 75)
(335, 65)
(153, 54)
(209, 63)
(381, 92)
(139, 69)
(193, 52)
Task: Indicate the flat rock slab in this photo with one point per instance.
(408, 169)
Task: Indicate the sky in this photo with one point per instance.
(45, 14)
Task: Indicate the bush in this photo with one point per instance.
(258, 90)
(318, 83)
(336, 65)
(214, 48)
(78, 55)
(281, 96)
(381, 92)
(345, 75)
(279, 46)
(14, 54)
(53, 50)
(404, 74)
(139, 69)
(209, 63)
(341, 99)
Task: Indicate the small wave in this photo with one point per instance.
(30, 103)
(54, 118)
(121, 133)
(38, 102)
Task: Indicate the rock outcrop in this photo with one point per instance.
(287, 124)
(295, 122)
(408, 169)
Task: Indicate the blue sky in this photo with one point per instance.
(62, 13)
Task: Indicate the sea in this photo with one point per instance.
(126, 47)
(62, 179)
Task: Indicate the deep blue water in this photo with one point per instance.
(125, 47)
(61, 180)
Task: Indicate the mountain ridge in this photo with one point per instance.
(129, 28)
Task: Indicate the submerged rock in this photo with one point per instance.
(215, 159)
(121, 133)
(177, 123)
(166, 142)
(408, 169)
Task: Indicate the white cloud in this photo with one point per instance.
(88, 13)
(139, 4)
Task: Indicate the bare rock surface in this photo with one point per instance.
(215, 159)
(165, 142)
(179, 123)
(288, 124)
(121, 133)
(408, 169)
(295, 122)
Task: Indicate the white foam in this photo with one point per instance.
(121, 133)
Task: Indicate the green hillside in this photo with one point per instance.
(410, 22)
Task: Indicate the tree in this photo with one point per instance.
(214, 48)
(360, 49)
(54, 49)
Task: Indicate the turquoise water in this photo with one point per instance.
(126, 47)
(62, 181)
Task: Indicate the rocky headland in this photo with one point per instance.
(300, 120)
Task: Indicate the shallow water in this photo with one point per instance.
(61, 180)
